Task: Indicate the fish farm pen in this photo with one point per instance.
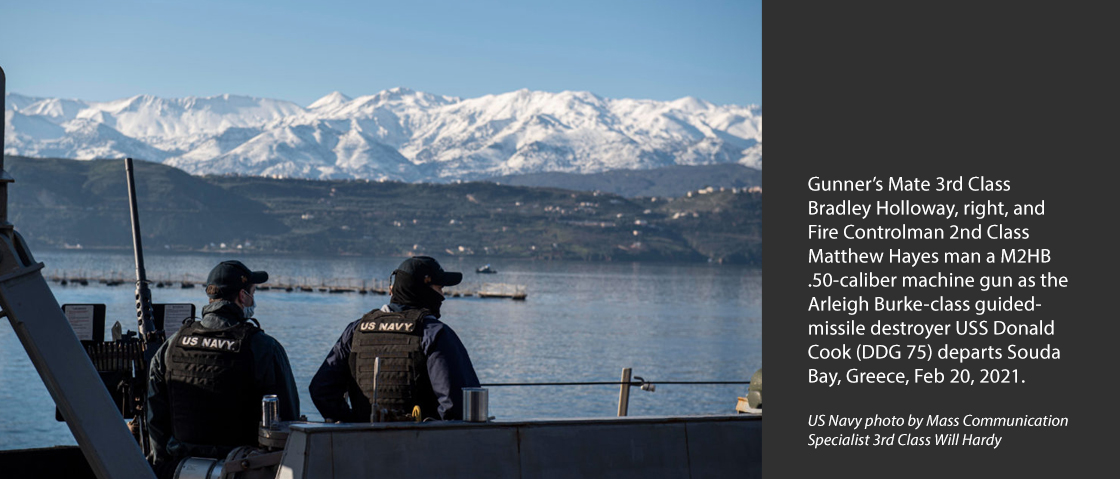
(285, 284)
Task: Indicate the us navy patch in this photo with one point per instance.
(393, 327)
(215, 344)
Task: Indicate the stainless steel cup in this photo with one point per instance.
(270, 410)
(476, 406)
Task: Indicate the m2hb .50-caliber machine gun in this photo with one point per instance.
(122, 363)
(151, 336)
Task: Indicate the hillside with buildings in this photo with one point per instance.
(66, 203)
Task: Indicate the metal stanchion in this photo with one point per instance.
(624, 393)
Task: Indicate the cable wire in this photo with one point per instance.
(610, 383)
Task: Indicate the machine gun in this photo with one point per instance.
(151, 336)
(123, 362)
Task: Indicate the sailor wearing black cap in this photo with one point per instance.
(206, 382)
(424, 365)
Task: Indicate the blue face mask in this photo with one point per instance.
(248, 299)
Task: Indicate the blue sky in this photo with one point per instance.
(300, 51)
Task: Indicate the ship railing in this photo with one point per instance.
(627, 381)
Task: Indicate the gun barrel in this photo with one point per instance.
(148, 333)
(137, 245)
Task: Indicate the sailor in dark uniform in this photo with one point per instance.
(206, 382)
(424, 365)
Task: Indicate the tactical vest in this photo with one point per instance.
(403, 380)
(212, 386)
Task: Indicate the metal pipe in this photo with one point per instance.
(5, 228)
(624, 393)
(3, 108)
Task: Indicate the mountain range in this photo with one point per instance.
(397, 134)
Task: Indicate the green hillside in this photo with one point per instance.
(56, 203)
(66, 202)
(721, 225)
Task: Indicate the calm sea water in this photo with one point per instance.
(581, 322)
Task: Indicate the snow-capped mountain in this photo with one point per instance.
(397, 134)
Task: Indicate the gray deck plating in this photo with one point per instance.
(636, 447)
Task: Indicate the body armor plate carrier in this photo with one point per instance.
(403, 382)
(211, 386)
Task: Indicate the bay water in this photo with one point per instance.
(581, 322)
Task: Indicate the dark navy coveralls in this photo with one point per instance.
(272, 375)
(449, 369)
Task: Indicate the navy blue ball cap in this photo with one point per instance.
(234, 274)
(421, 267)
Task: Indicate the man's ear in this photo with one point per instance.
(242, 297)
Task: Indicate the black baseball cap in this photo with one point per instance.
(233, 275)
(419, 267)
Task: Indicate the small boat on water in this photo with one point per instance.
(486, 270)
